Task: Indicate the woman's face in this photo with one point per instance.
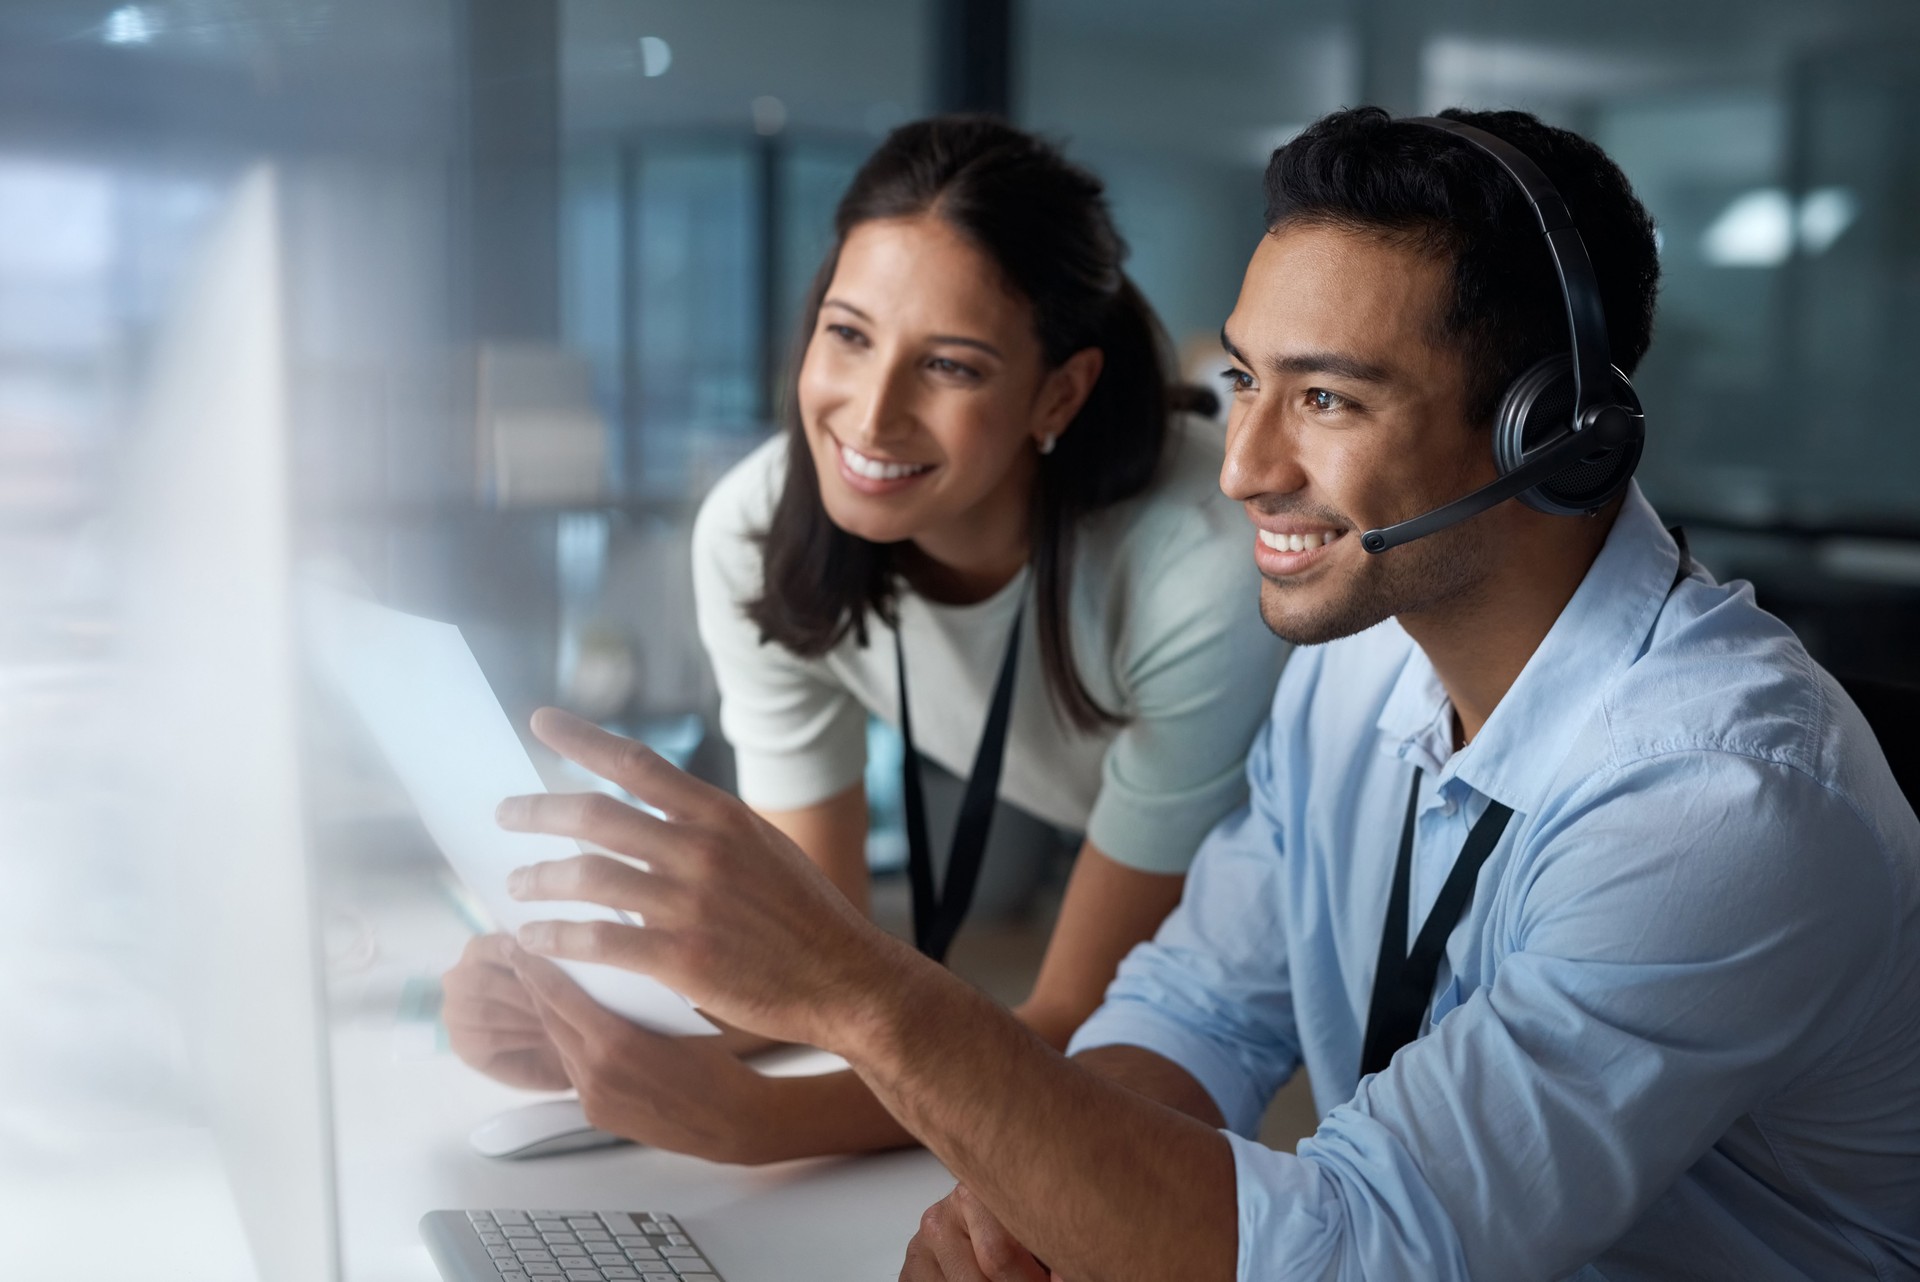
(924, 390)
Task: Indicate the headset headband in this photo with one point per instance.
(1586, 318)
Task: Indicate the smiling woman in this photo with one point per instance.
(980, 437)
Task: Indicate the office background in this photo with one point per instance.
(542, 260)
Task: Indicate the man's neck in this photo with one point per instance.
(1479, 642)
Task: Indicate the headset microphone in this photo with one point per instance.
(1569, 431)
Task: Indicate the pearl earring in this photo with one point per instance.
(1047, 442)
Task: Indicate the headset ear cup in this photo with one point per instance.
(1537, 408)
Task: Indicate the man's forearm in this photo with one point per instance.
(1154, 1076)
(1087, 1172)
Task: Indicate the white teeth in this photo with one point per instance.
(1297, 542)
(875, 469)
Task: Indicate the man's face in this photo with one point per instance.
(1346, 416)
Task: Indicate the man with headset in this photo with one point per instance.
(1584, 896)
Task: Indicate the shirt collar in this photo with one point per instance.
(1600, 632)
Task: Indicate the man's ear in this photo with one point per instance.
(1065, 390)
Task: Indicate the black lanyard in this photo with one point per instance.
(1403, 981)
(937, 914)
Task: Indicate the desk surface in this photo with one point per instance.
(403, 1108)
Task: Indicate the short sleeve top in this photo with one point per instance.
(1165, 630)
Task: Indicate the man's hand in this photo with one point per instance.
(736, 917)
(685, 1094)
(492, 1022)
(961, 1241)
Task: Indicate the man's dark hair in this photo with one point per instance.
(1362, 170)
(1044, 223)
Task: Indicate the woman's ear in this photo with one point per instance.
(1063, 392)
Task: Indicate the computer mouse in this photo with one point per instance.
(539, 1130)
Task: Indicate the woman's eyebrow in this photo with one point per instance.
(954, 340)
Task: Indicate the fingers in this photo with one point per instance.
(999, 1256)
(586, 816)
(606, 942)
(633, 766)
(595, 879)
(945, 1252)
(568, 1001)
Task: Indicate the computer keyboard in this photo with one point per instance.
(563, 1246)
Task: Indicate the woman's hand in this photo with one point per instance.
(961, 1241)
(736, 917)
(685, 1094)
(492, 1022)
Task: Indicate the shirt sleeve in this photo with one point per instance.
(1198, 666)
(1211, 991)
(798, 735)
(1657, 991)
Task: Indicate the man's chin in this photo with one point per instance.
(1299, 622)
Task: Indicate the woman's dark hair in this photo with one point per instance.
(1044, 222)
(1363, 170)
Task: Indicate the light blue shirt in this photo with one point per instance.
(1676, 1034)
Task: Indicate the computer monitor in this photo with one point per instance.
(216, 700)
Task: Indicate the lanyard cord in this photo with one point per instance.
(1403, 981)
(938, 913)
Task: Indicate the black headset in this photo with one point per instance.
(1570, 429)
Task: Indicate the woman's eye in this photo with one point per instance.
(845, 333)
(947, 365)
(1236, 380)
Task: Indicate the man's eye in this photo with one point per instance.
(1324, 401)
(1236, 380)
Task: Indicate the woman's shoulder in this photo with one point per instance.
(738, 509)
(1183, 513)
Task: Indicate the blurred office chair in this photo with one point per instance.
(1893, 711)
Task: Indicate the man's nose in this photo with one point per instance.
(1262, 456)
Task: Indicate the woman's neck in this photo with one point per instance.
(973, 556)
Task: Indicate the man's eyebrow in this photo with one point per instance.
(1231, 350)
(1334, 363)
(949, 340)
(1314, 363)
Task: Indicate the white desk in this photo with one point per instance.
(403, 1111)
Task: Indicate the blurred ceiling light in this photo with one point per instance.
(1760, 227)
(769, 115)
(655, 56)
(1825, 213)
(130, 25)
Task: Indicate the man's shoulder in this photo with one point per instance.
(1719, 674)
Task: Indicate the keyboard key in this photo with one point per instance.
(565, 1250)
(684, 1267)
(583, 1275)
(672, 1251)
(618, 1273)
(542, 1269)
(659, 1277)
(510, 1217)
(698, 1277)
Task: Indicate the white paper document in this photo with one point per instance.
(416, 685)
